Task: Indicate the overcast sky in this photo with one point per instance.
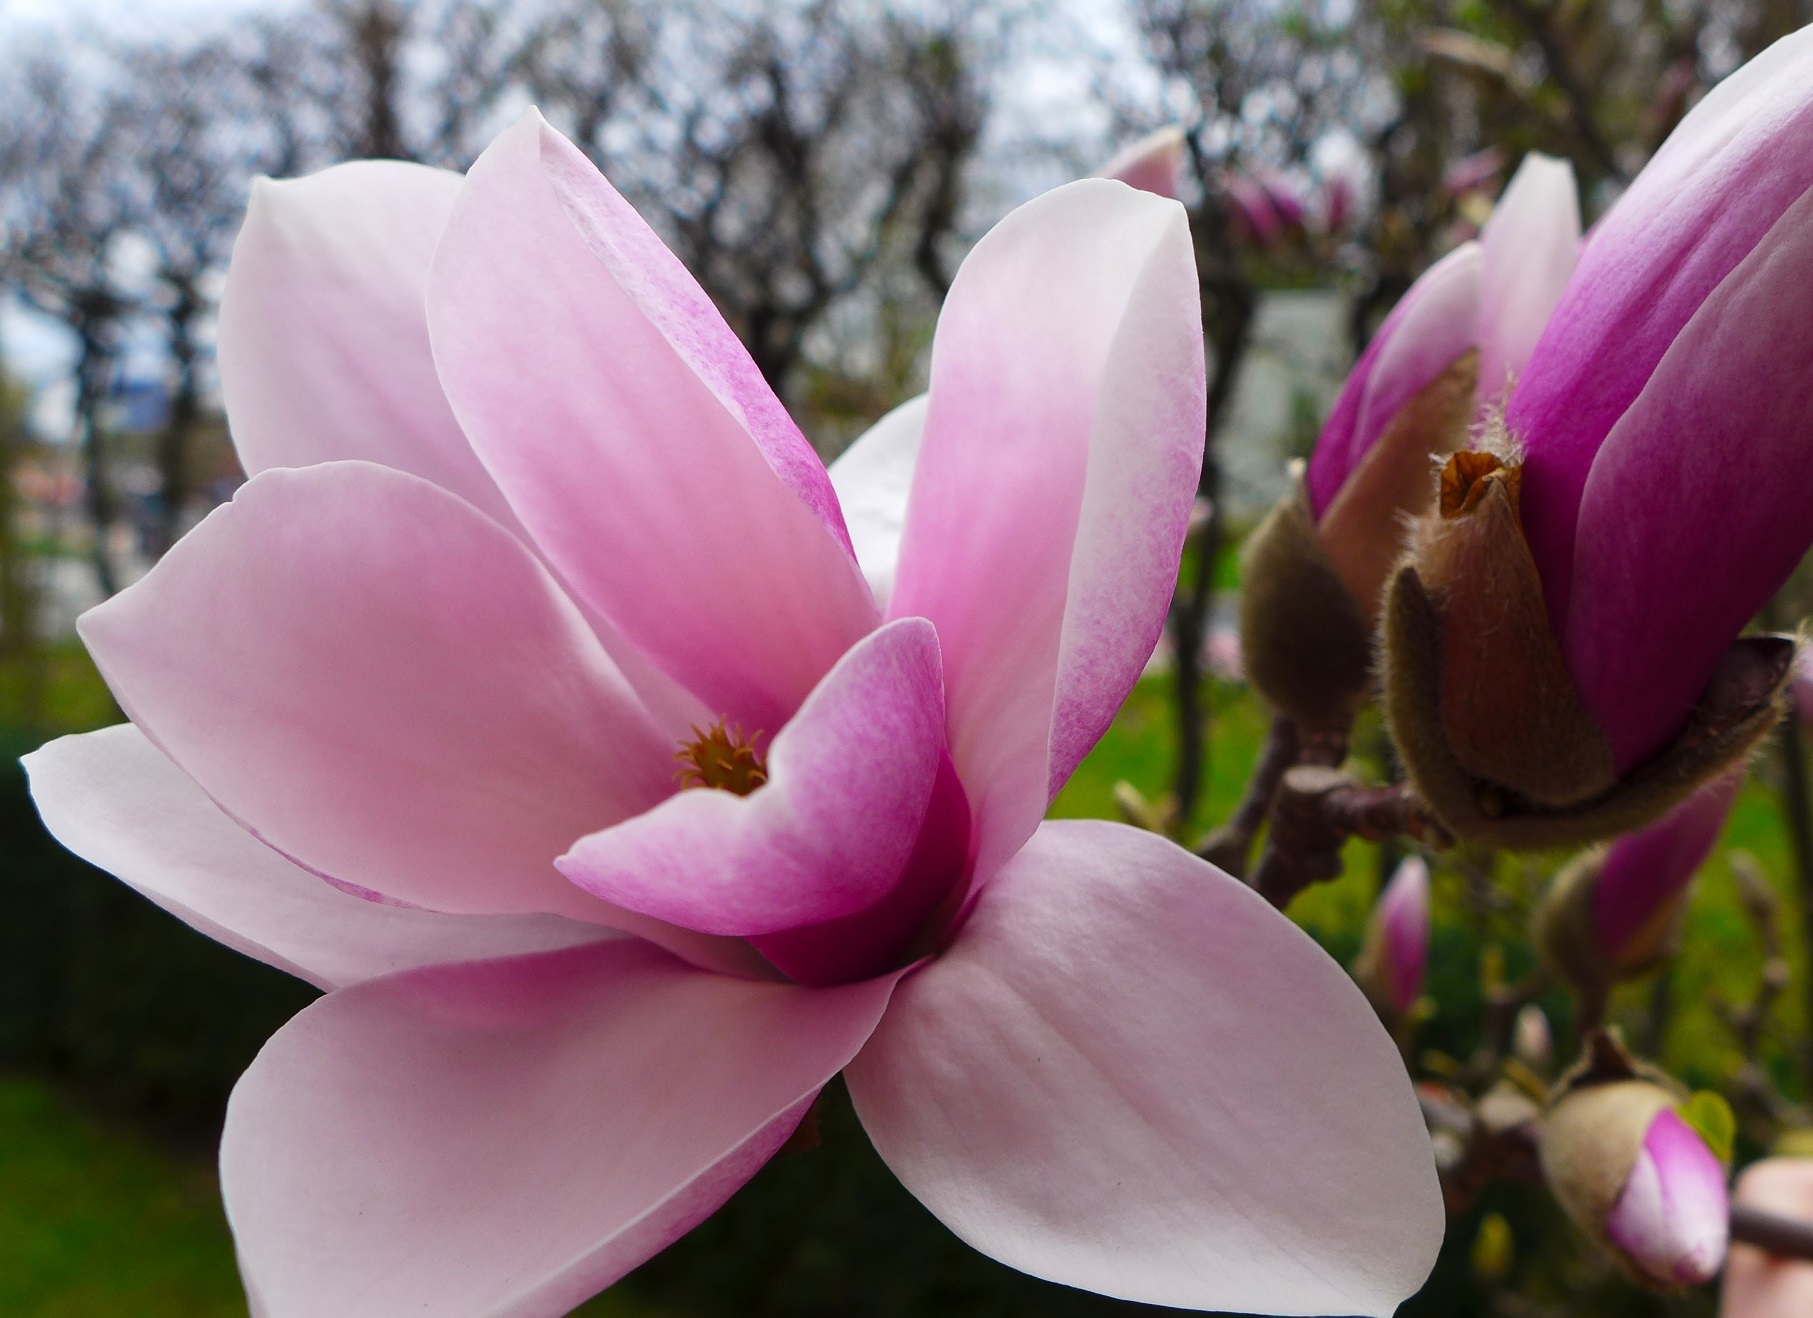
(1048, 95)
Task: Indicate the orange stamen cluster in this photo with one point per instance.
(723, 758)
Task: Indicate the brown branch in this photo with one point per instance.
(1786, 1236)
(1316, 809)
(1230, 847)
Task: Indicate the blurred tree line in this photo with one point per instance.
(820, 166)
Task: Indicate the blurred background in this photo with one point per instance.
(821, 166)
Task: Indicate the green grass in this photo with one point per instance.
(97, 1221)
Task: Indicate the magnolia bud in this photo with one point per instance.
(1305, 644)
(1632, 1174)
(1672, 1218)
(1615, 913)
(1484, 709)
(1396, 952)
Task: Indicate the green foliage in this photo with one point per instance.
(1712, 1119)
(95, 1221)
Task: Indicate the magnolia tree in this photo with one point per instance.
(623, 775)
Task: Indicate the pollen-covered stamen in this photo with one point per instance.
(723, 758)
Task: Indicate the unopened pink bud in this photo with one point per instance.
(1643, 882)
(1671, 1221)
(1338, 202)
(1152, 164)
(1396, 954)
(1253, 208)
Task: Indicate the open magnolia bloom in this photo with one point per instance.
(1561, 653)
(524, 526)
(1315, 569)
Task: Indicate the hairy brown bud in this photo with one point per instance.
(1487, 719)
(1304, 641)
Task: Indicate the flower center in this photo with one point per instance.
(721, 757)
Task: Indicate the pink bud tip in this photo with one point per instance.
(1403, 919)
(1152, 164)
(1644, 871)
(1672, 1219)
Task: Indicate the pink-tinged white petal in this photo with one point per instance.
(1530, 247)
(1644, 871)
(1759, 1284)
(323, 335)
(1402, 916)
(1431, 327)
(324, 352)
(634, 437)
(828, 835)
(1727, 176)
(1119, 1077)
(873, 478)
(1672, 1218)
(1153, 164)
(386, 686)
(1695, 511)
(118, 802)
(1062, 443)
(510, 1137)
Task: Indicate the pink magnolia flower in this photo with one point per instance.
(1662, 414)
(523, 523)
(1671, 1220)
(1397, 938)
(1153, 164)
(1759, 1284)
(1493, 297)
(1255, 208)
(1642, 882)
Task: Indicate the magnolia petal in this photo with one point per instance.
(1153, 164)
(324, 354)
(1063, 439)
(1431, 327)
(873, 478)
(633, 437)
(827, 835)
(386, 686)
(1530, 247)
(1694, 512)
(323, 337)
(119, 803)
(1118, 1077)
(1759, 1284)
(509, 1137)
(1643, 871)
(1671, 1217)
(1726, 176)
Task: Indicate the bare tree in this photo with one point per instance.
(66, 206)
(1264, 87)
(789, 153)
